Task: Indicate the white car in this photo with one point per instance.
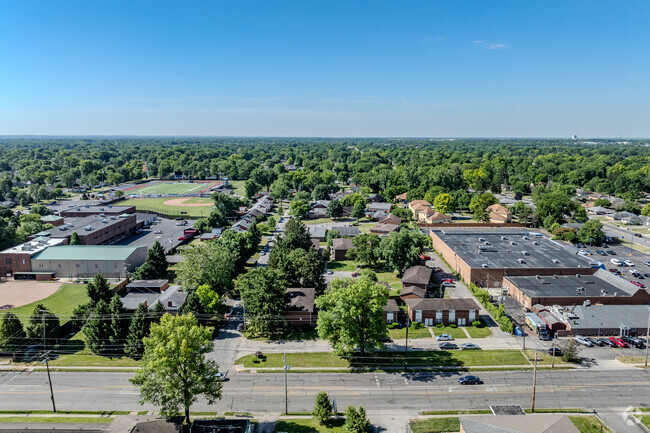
(646, 262)
(582, 252)
(157, 232)
(616, 262)
(447, 284)
(628, 263)
(582, 340)
(444, 337)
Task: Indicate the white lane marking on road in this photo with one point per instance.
(377, 380)
(406, 381)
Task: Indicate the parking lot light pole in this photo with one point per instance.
(647, 339)
(554, 344)
(532, 409)
(406, 347)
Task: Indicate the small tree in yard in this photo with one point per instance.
(570, 350)
(174, 369)
(356, 421)
(322, 408)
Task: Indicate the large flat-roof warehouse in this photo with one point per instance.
(602, 287)
(484, 256)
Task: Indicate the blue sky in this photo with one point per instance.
(325, 68)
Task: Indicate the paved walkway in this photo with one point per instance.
(619, 421)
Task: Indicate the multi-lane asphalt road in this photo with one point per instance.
(397, 392)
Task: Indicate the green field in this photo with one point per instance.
(156, 205)
(435, 425)
(74, 352)
(170, 188)
(61, 303)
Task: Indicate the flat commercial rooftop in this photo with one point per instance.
(83, 225)
(508, 248)
(590, 286)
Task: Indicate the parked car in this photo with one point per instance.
(240, 327)
(469, 346)
(447, 346)
(386, 339)
(614, 271)
(596, 342)
(470, 380)
(329, 272)
(444, 337)
(183, 238)
(636, 283)
(636, 342)
(582, 340)
(646, 262)
(355, 274)
(638, 235)
(157, 232)
(447, 284)
(601, 252)
(447, 280)
(616, 262)
(222, 377)
(555, 350)
(647, 275)
(611, 252)
(618, 341)
(607, 342)
(628, 263)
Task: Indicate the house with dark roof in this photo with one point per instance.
(412, 292)
(391, 311)
(300, 306)
(383, 207)
(346, 231)
(340, 248)
(419, 276)
(318, 232)
(431, 311)
(384, 229)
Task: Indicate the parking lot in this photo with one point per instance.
(622, 253)
(165, 231)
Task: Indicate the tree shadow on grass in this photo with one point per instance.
(393, 362)
(290, 426)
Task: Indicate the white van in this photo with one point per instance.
(616, 262)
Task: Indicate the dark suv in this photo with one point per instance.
(639, 344)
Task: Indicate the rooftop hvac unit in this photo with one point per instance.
(512, 243)
(105, 221)
(615, 293)
(88, 228)
(110, 206)
(113, 218)
(481, 239)
(504, 238)
(535, 243)
(101, 215)
(63, 228)
(101, 208)
(484, 265)
(486, 243)
(554, 276)
(525, 253)
(586, 303)
(577, 275)
(526, 237)
(86, 206)
(556, 261)
(521, 261)
(537, 276)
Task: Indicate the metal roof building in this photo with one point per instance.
(84, 261)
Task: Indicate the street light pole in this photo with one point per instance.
(406, 347)
(47, 365)
(286, 392)
(554, 344)
(532, 409)
(647, 339)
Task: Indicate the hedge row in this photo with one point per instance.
(499, 314)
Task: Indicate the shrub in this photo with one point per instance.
(322, 408)
(416, 325)
(477, 324)
(453, 325)
(440, 325)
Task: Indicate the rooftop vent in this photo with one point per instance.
(88, 228)
(512, 243)
(505, 238)
(535, 243)
(525, 253)
(554, 276)
(586, 303)
(537, 276)
(615, 293)
(481, 239)
(101, 215)
(556, 261)
(113, 218)
(526, 237)
(521, 261)
(486, 243)
(484, 265)
(101, 208)
(577, 275)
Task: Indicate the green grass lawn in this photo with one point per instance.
(454, 332)
(293, 334)
(588, 424)
(56, 419)
(397, 334)
(73, 352)
(544, 358)
(309, 426)
(365, 227)
(478, 332)
(342, 265)
(389, 277)
(645, 420)
(435, 425)
(170, 187)
(156, 205)
(438, 358)
(238, 187)
(61, 303)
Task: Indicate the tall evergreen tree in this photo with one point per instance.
(118, 322)
(99, 290)
(322, 408)
(12, 334)
(98, 329)
(192, 304)
(75, 239)
(139, 328)
(155, 266)
(34, 329)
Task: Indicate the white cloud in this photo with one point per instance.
(496, 46)
(491, 45)
(478, 42)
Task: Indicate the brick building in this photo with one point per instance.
(88, 210)
(96, 229)
(18, 259)
(300, 306)
(431, 311)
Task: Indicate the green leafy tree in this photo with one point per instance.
(271, 222)
(321, 192)
(138, 329)
(192, 304)
(580, 215)
(75, 239)
(157, 313)
(603, 202)
(322, 408)
(295, 236)
(444, 203)
(334, 209)
(365, 249)
(263, 296)
(356, 421)
(299, 208)
(99, 290)
(98, 329)
(591, 232)
(402, 213)
(646, 210)
(251, 188)
(210, 264)
(210, 302)
(279, 192)
(351, 315)
(174, 370)
(479, 204)
(555, 204)
(300, 268)
(402, 249)
(359, 210)
(254, 237)
(34, 328)
(12, 334)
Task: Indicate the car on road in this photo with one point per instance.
(447, 280)
(386, 339)
(444, 337)
(329, 272)
(618, 341)
(582, 340)
(222, 377)
(469, 346)
(157, 232)
(628, 263)
(616, 262)
(470, 380)
(183, 238)
(638, 235)
(425, 257)
(555, 350)
(447, 346)
(447, 284)
(646, 262)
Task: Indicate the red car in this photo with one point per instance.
(355, 274)
(636, 283)
(618, 341)
(182, 238)
(447, 280)
(425, 257)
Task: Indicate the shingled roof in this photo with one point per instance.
(442, 304)
(417, 275)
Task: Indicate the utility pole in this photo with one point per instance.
(406, 347)
(523, 332)
(47, 365)
(286, 392)
(647, 339)
(554, 344)
(532, 409)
